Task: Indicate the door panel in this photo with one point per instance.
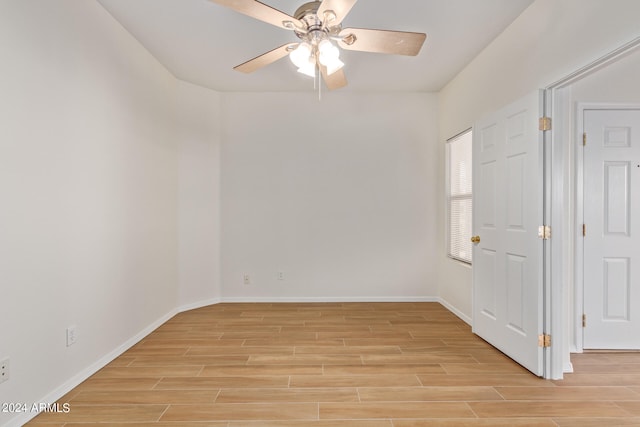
(611, 243)
(507, 262)
(616, 198)
(616, 289)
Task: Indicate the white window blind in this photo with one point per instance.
(459, 191)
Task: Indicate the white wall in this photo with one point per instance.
(617, 83)
(338, 194)
(547, 42)
(199, 112)
(88, 192)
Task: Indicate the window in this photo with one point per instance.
(459, 190)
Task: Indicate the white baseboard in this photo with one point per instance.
(568, 368)
(457, 312)
(326, 299)
(199, 304)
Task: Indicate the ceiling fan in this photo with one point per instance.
(318, 26)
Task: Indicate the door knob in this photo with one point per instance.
(475, 239)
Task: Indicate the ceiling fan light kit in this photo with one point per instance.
(318, 25)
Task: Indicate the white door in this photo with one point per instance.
(612, 234)
(507, 211)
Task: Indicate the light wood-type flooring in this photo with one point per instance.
(341, 365)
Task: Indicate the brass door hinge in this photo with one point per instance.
(584, 230)
(584, 139)
(584, 320)
(544, 123)
(544, 340)
(544, 232)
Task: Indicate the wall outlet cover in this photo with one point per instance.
(4, 370)
(72, 335)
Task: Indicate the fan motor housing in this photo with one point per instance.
(310, 8)
(315, 29)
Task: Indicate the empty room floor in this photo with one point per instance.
(341, 365)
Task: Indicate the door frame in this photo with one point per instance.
(561, 299)
(579, 189)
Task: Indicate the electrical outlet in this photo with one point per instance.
(246, 279)
(280, 275)
(4, 370)
(72, 335)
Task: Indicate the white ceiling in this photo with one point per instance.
(200, 42)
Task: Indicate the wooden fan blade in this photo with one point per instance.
(265, 59)
(336, 8)
(261, 11)
(334, 81)
(382, 41)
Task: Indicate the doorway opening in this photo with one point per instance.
(609, 80)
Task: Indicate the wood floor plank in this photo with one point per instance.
(342, 394)
(352, 350)
(547, 409)
(290, 342)
(431, 333)
(423, 343)
(150, 424)
(493, 422)
(244, 335)
(378, 359)
(633, 408)
(609, 368)
(318, 381)
(170, 397)
(240, 351)
(209, 383)
(188, 360)
(484, 380)
(567, 393)
(617, 358)
(308, 359)
(597, 422)
(261, 370)
(156, 371)
(156, 351)
(578, 379)
(393, 341)
(182, 335)
(427, 394)
(313, 423)
(181, 343)
(482, 368)
(388, 410)
(382, 369)
(242, 411)
(365, 333)
(104, 413)
(120, 384)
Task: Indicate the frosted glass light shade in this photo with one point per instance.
(328, 55)
(301, 55)
(309, 68)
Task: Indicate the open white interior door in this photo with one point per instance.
(507, 212)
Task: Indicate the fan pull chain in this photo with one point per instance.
(319, 84)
